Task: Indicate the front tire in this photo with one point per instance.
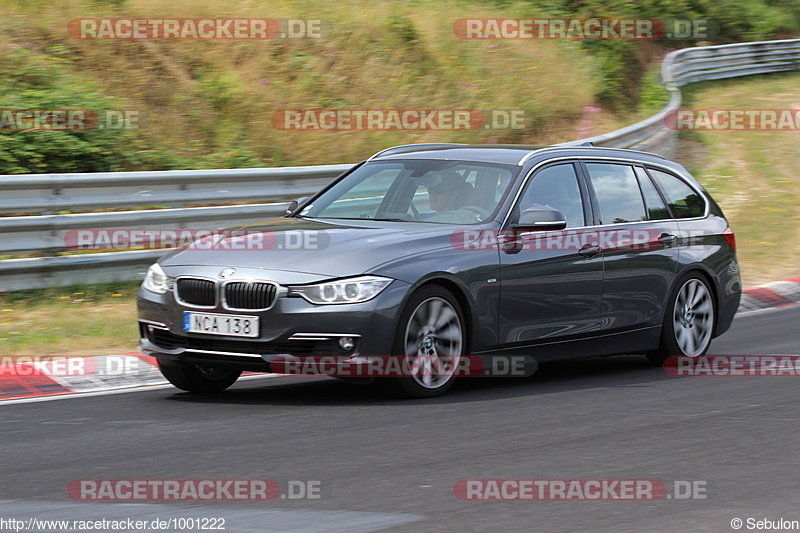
(431, 332)
(193, 378)
(689, 321)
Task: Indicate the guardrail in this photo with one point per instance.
(690, 65)
(51, 193)
(47, 195)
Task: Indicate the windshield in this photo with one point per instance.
(443, 192)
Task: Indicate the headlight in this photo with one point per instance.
(346, 291)
(156, 281)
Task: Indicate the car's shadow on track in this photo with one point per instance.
(551, 377)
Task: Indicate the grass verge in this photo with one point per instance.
(91, 320)
(752, 174)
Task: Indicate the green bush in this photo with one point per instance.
(34, 81)
(619, 70)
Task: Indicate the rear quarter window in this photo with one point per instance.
(683, 200)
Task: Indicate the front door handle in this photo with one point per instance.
(590, 250)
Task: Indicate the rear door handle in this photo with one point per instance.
(589, 250)
(667, 238)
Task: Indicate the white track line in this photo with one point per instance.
(71, 395)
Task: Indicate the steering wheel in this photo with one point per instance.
(480, 213)
(463, 215)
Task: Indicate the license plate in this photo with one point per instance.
(214, 324)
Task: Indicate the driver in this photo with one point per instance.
(451, 192)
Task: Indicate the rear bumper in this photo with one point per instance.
(729, 294)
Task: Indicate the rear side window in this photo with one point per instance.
(684, 202)
(617, 191)
(656, 208)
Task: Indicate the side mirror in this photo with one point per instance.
(295, 205)
(542, 217)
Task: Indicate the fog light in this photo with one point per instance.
(346, 343)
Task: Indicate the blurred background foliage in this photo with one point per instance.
(208, 104)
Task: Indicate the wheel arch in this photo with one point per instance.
(702, 270)
(463, 301)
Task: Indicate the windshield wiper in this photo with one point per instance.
(369, 219)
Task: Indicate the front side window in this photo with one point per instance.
(557, 187)
(618, 196)
(435, 191)
(684, 201)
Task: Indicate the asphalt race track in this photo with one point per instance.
(386, 464)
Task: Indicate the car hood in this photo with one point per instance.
(325, 248)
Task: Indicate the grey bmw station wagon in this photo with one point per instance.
(452, 251)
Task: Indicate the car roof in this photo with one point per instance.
(510, 154)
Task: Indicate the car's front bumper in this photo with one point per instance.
(293, 326)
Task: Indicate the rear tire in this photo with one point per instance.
(193, 378)
(689, 322)
(432, 332)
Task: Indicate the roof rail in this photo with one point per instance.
(587, 144)
(410, 148)
(576, 143)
